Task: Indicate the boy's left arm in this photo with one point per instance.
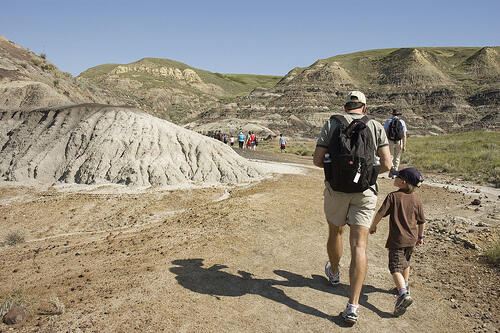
(421, 228)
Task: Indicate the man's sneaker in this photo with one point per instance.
(350, 315)
(402, 303)
(333, 278)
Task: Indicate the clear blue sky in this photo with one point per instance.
(260, 37)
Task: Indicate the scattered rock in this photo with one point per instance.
(462, 220)
(478, 190)
(53, 307)
(476, 202)
(469, 245)
(14, 316)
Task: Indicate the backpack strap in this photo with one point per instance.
(355, 125)
(340, 119)
(366, 119)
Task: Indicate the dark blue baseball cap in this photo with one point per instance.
(410, 175)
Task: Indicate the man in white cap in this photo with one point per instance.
(354, 209)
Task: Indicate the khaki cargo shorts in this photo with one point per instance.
(349, 208)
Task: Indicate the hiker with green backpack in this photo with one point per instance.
(395, 128)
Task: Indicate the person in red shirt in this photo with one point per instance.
(249, 140)
(254, 142)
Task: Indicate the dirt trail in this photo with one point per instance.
(252, 262)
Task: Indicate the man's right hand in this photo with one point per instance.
(373, 229)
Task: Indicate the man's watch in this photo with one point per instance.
(420, 237)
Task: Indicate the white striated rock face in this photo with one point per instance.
(93, 144)
(187, 74)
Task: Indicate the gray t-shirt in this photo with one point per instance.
(376, 128)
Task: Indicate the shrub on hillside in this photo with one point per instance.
(47, 66)
(493, 254)
(36, 61)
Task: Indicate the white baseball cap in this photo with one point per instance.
(356, 96)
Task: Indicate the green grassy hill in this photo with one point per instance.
(173, 90)
(231, 84)
(463, 65)
(438, 89)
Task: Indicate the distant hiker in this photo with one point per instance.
(395, 128)
(282, 143)
(241, 139)
(231, 140)
(350, 194)
(249, 140)
(254, 140)
(225, 138)
(406, 229)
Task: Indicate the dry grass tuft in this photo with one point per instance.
(14, 237)
(10, 303)
(58, 306)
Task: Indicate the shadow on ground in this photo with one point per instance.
(213, 281)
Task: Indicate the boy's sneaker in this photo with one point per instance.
(350, 315)
(396, 291)
(402, 303)
(333, 278)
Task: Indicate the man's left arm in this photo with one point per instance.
(322, 145)
(319, 156)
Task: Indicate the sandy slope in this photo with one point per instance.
(186, 261)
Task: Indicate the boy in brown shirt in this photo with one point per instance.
(406, 229)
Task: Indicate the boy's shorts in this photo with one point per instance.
(349, 208)
(399, 259)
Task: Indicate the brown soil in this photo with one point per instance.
(185, 261)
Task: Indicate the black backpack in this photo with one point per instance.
(395, 130)
(350, 166)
